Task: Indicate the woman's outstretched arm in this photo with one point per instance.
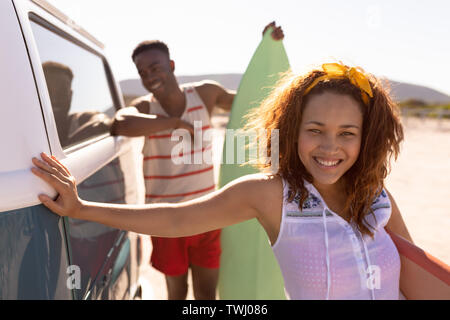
(232, 204)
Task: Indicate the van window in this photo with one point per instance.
(78, 87)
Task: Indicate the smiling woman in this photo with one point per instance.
(334, 114)
(333, 210)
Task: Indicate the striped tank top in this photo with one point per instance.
(174, 168)
(322, 256)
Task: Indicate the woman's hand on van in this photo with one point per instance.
(55, 174)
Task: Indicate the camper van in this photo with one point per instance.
(58, 95)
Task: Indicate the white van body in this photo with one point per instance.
(31, 34)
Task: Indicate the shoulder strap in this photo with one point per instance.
(196, 99)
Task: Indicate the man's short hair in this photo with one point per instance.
(149, 45)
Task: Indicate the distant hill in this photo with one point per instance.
(133, 87)
(400, 91)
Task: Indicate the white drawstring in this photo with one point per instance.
(324, 218)
(369, 265)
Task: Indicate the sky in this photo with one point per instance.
(405, 41)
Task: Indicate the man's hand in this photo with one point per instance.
(277, 33)
(55, 174)
(181, 124)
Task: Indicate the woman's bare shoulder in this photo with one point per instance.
(262, 180)
(261, 188)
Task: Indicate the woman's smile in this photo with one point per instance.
(327, 163)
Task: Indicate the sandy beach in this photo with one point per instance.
(419, 183)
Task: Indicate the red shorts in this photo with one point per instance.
(172, 256)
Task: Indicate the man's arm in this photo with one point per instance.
(214, 94)
(134, 121)
(138, 124)
(142, 104)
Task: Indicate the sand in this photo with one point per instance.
(420, 184)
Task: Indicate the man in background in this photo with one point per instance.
(167, 107)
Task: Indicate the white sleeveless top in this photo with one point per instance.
(173, 172)
(322, 256)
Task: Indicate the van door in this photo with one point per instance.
(33, 260)
(79, 90)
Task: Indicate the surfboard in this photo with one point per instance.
(248, 268)
(422, 276)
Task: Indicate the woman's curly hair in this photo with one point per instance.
(381, 136)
